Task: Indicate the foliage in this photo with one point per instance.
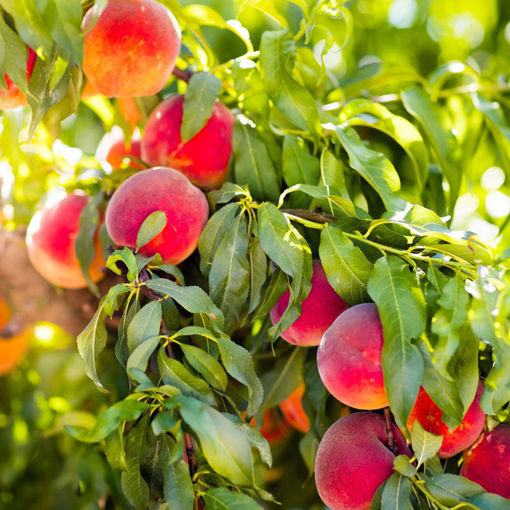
(366, 165)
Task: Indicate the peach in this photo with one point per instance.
(349, 358)
(132, 48)
(12, 97)
(430, 417)
(204, 158)
(5, 313)
(293, 412)
(13, 350)
(158, 189)
(487, 463)
(114, 151)
(321, 307)
(51, 238)
(274, 428)
(353, 460)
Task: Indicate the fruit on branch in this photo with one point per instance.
(353, 460)
(274, 427)
(13, 349)
(132, 48)
(349, 358)
(204, 158)
(321, 307)
(158, 189)
(116, 152)
(487, 463)
(430, 417)
(293, 412)
(50, 240)
(11, 96)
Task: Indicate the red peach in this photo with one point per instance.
(487, 463)
(293, 412)
(349, 358)
(321, 307)
(12, 97)
(50, 241)
(274, 428)
(353, 460)
(158, 189)
(204, 158)
(430, 417)
(132, 48)
(114, 150)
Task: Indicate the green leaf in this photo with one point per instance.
(239, 364)
(288, 249)
(144, 325)
(308, 446)
(258, 272)
(13, 56)
(418, 103)
(173, 372)
(178, 489)
(373, 166)
(425, 444)
(109, 420)
(199, 99)
(397, 493)
(255, 438)
(298, 166)
(229, 278)
(402, 464)
(253, 166)
(401, 307)
(224, 499)
(332, 177)
(91, 342)
(141, 354)
(206, 365)
(152, 226)
(363, 112)
(135, 488)
(111, 301)
(284, 378)
(277, 57)
(345, 265)
(47, 86)
(224, 447)
(213, 233)
(193, 299)
(126, 256)
(451, 489)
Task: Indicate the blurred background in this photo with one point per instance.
(377, 45)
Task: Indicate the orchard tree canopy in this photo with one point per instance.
(254, 254)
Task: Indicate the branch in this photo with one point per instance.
(316, 216)
(390, 437)
(189, 446)
(182, 75)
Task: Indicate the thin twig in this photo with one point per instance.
(182, 75)
(390, 437)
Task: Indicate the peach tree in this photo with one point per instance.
(281, 285)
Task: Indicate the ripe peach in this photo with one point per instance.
(12, 97)
(293, 412)
(158, 189)
(322, 306)
(204, 158)
(349, 358)
(430, 417)
(50, 243)
(274, 428)
(132, 48)
(353, 461)
(5, 313)
(114, 150)
(487, 463)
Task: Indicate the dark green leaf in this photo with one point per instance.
(152, 226)
(397, 493)
(141, 354)
(224, 499)
(178, 488)
(425, 444)
(206, 365)
(144, 325)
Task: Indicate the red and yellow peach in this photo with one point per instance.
(11, 96)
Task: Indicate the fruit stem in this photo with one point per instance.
(182, 75)
(390, 437)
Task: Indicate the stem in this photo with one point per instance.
(189, 446)
(182, 75)
(390, 437)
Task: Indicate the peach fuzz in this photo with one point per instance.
(12, 97)
(353, 460)
(430, 417)
(158, 189)
(487, 463)
(50, 242)
(132, 48)
(321, 307)
(349, 358)
(204, 158)
(114, 152)
(293, 412)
